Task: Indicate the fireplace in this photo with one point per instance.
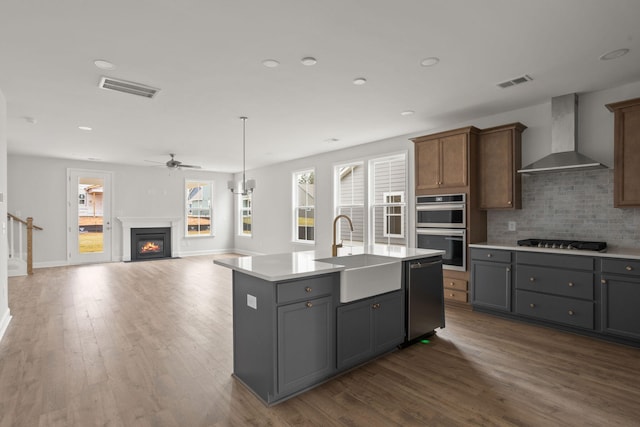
(150, 243)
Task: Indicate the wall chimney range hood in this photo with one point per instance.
(564, 154)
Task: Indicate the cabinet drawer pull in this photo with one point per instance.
(571, 313)
(509, 202)
(375, 306)
(628, 268)
(532, 305)
(532, 279)
(488, 255)
(571, 284)
(452, 295)
(307, 289)
(308, 304)
(452, 284)
(604, 282)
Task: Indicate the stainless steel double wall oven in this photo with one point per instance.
(441, 224)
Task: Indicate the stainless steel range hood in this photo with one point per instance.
(564, 154)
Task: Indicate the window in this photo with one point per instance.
(304, 206)
(388, 178)
(350, 200)
(245, 215)
(393, 214)
(198, 208)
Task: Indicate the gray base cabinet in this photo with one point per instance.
(620, 287)
(491, 274)
(593, 295)
(369, 327)
(284, 333)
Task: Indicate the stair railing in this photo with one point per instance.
(22, 224)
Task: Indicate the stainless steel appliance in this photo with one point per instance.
(441, 224)
(564, 244)
(425, 298)
(446, 210)
(453, 241)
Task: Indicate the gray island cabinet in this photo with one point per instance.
(284, 333)
(291, 332)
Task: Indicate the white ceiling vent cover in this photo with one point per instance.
(516, 81)
(128, 87)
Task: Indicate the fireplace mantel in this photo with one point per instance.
(129, 222)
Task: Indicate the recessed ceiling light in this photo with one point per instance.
(93, 159)
(614, 54)
(429, 62)
(309, 61)
(331, 140)
(87, 128)
(31, 120)
(104, 65)
(270, 63)
(407, 113)
(359, 81)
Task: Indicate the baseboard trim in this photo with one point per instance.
(4, 323)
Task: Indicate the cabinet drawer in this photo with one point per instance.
(563, 310)
(455, 295)
(457, 284)
(305, 289)
(621, 266)
(575, 284)
(490, 255)
(578, 262)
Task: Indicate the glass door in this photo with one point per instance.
(89, 216)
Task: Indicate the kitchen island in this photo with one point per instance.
(291, 331)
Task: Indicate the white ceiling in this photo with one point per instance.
(206, 57)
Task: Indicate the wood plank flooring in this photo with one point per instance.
(150, 344)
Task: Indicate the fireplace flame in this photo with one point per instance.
(150, 247)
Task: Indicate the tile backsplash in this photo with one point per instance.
(568, 205)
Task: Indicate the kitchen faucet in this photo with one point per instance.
(334, 246)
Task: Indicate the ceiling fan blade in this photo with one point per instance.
(190, 166)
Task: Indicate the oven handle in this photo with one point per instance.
(441, 231)
(440, 207)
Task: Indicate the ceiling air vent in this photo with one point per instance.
(128, 87)
(516, 81)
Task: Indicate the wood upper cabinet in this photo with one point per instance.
(499, 158)
(442, 159)
(626, 153)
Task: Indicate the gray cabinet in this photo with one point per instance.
(491, 276)
(620, 295)
(283, 333)
(305, 343)
(369, 327)
(556, 288)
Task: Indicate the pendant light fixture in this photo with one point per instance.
(247, 186)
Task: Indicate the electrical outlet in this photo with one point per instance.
(512, 225)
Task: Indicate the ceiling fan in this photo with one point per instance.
(176, 164)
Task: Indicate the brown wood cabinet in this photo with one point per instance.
(499, 158)
(442, 159)
(626, 153)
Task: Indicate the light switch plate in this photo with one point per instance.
(512, 225)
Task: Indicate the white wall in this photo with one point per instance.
(5, 315)
(272, 197)
(37, 188)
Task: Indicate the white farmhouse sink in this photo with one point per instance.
(367, 275)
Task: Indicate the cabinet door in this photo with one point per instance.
(355, 341)
(388, 321)
(305, 344)
(427, 166)
(491, 285)
(626, 149)
(453, 164)
(496, 170)
(620, 306)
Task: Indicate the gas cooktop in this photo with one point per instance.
(564, 244)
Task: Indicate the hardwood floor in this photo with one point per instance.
(150, 344)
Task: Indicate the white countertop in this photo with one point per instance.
(628, 253)
(293, 265)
